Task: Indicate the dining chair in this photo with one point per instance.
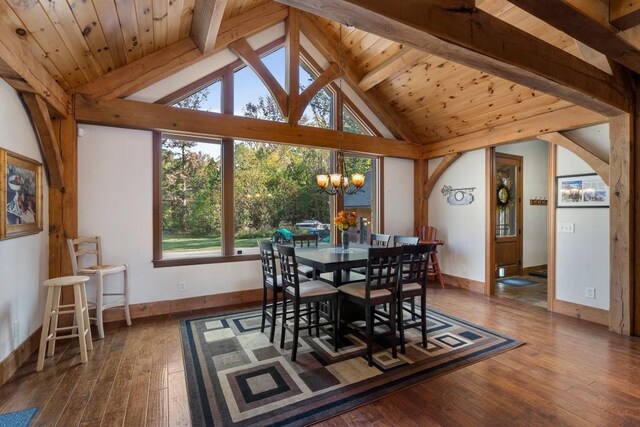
(306, 240)
(413, 284)
(92, 246)
(313, 294)
(429, 234)
(271, 281)
(405, 240)
(383, 276)
(379, 240)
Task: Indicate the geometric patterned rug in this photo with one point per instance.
(236, 377)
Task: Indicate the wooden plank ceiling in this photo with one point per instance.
(78, 41)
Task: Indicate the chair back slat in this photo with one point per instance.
(268, 262)
(289, 269)
(380, 240)
(416, 263)
(83, 246)
(384, 269)
(426, 232)
(405, 240)
(305, 240)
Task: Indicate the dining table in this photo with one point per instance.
(335, 262)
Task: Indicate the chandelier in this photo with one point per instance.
(338, 182)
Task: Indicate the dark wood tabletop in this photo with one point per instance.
(333, 259)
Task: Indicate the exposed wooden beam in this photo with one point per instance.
(594, 57)
(205, 23)
(569, 19)
(476, 39)
(420, 203)
(292, 77)
(622, 207)
(47, 138)
(624, 14)
(152, 68)
(396, 124)
(25, 73)
(529, 128)
(327, 76)
(397, 64)
(245, 52)
(578, 148)
(140, 115)
(442, 166)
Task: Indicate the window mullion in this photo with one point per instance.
(228, 164)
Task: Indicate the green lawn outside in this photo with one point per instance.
(185, 243)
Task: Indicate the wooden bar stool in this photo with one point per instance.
(53, 309)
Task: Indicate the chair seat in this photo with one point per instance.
(313, 288)
(269, 280)
(305, 270)
(358, 290)
(104, 269)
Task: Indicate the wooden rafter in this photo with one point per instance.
(398, 126)
(140, 115)
(292, 77)
(585, 28)
(624, 14)
(578, 148)
(152, 68)
(28, 74)
(476, 39)
(435, 176)
(245, 52)
(205, 24)
(529, 128)
(326, 77)
(47, 138)
(594, 57)
(402, 61)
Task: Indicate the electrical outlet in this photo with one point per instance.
(590, 293)
(16, 329)
(566, 227)
(182, 286)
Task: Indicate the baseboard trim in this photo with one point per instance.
(157, 308)
(592, 314)
(527, 270)
(463, 283)
(17, 357)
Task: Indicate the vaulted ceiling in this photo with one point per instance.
(434, 99)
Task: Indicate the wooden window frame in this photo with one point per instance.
(226, 76)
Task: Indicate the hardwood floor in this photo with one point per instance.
(570, 372)
(531, 294)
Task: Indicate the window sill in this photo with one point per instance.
(177, 262)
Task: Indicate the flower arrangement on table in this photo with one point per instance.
(345, 220)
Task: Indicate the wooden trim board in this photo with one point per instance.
(583, 312)
(157, 308)
(17, 357)
(527, 270)
(464, 283)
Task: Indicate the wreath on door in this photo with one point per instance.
(503, 196)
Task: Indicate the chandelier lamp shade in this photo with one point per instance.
(338, 183)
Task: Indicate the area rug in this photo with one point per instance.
(18, 419)
(236, 377)
(517, 281)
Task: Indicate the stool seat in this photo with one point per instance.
(53, 309)
(65, 281)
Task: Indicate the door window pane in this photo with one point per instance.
(506, 213)
(362, 203)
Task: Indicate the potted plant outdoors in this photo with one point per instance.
(344, 221)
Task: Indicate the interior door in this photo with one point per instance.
(508, 211)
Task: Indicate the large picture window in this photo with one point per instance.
(215, 199)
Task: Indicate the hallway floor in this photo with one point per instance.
(535, 294)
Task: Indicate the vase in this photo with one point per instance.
(345, 240)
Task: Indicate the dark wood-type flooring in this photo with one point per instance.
(530, 294)
(570, 372)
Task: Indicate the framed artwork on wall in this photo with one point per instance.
(21, 195)
(581, 191)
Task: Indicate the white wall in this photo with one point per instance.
(535, 170)
(461, 227)
(583, 256)
(24, 261)
(398, 197)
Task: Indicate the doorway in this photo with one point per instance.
(517, 177)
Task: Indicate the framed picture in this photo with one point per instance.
(581, 191)
(21, 195)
